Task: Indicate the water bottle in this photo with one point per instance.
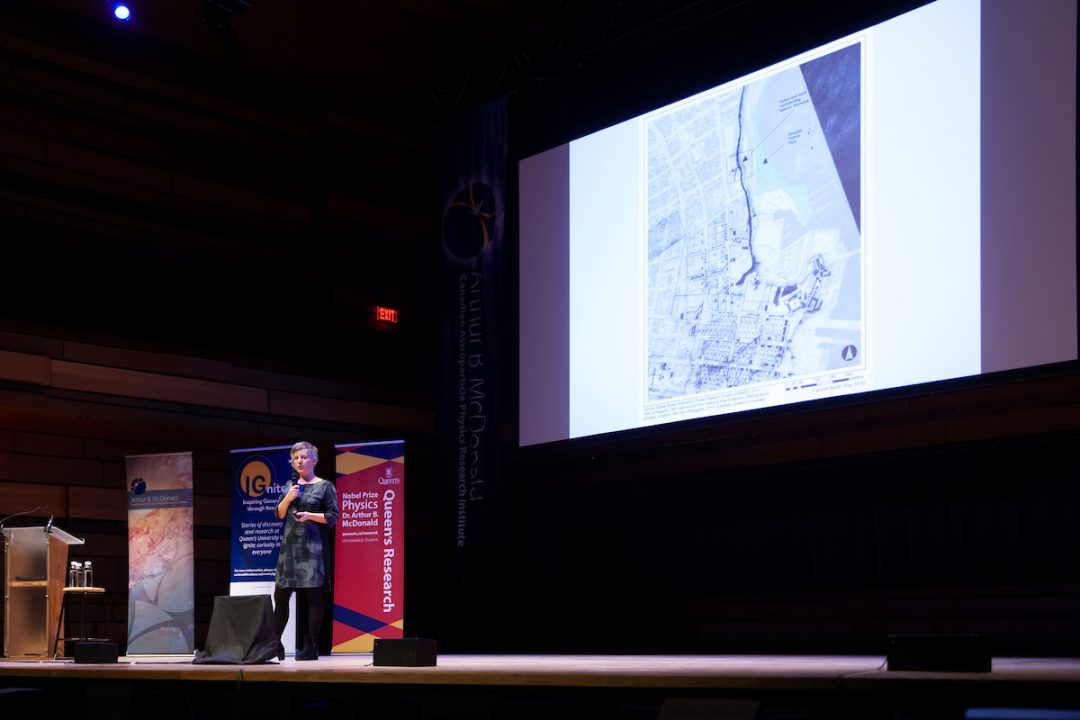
(77, 569)
(73, 575)
(88, 574)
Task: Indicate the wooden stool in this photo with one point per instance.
(82, 592)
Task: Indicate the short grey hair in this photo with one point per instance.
(302, 445)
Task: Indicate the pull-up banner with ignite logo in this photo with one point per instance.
(259, 478)
(369, 557)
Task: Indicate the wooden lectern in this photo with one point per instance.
(35, 572)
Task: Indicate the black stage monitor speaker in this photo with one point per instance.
(939, 653)
(241, 632)
(407, 652)
(92, 651)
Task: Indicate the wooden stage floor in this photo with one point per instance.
(550, 687)
(605, 671)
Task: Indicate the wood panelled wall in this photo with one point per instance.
(192, 208)
(813, 531)
(70, 412)
(190, 257)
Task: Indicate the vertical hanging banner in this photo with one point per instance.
(369, 557)
(472, 235)
(161, 559)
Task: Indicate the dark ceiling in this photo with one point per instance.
(212, 140)
(401, 51)
(423, 58)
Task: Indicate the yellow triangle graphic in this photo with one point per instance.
(349, 463)
(364, 643)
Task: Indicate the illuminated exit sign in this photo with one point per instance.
(386, 314)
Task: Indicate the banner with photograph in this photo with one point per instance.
(161, 558)
(369, 567)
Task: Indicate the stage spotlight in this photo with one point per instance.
(121, 12)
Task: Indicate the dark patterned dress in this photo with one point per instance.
(300, 560)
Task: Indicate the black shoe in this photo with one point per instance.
(280, 651)
(310, 651)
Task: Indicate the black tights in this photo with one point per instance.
(314, 605)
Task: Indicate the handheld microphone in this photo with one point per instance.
(24, 512)
(295, 480)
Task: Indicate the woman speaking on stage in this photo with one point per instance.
(310, 503)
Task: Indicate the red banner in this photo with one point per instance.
(369, 558)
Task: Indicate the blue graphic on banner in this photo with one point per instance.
(260, 477)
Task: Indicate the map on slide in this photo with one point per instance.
(755, 262)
